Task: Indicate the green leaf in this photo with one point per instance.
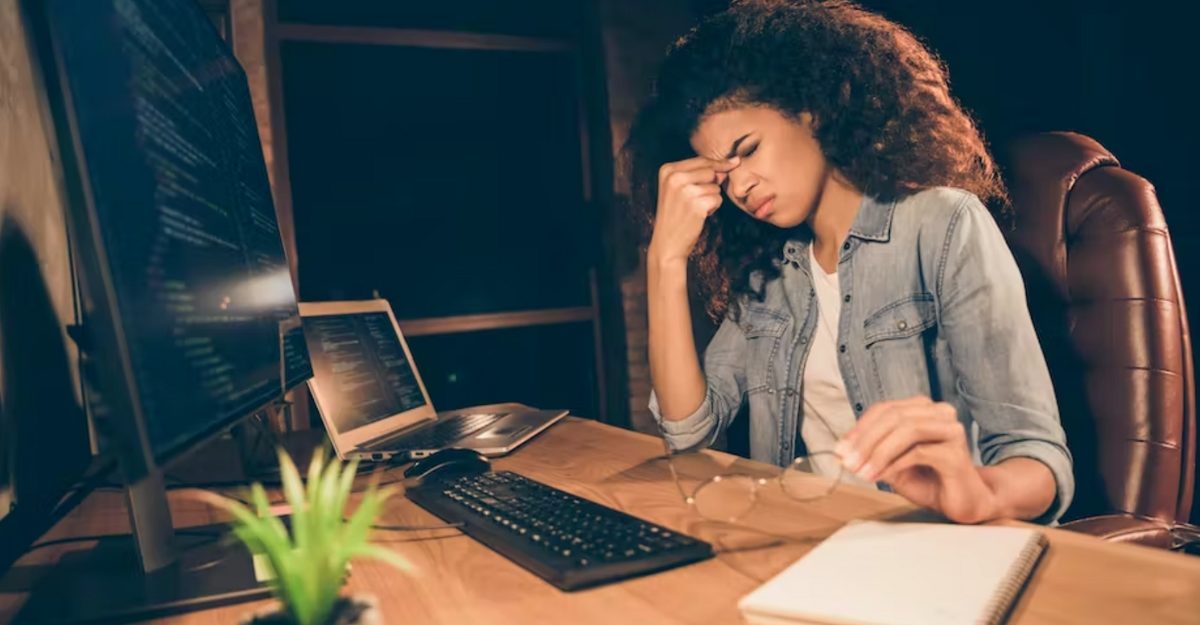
(260, 536)
(326, 493)
(310, 562)
(327, 579)
(354, 533)
(385, 555)
(293, 490)
(345, 485)
(314, 473)
(263, 506)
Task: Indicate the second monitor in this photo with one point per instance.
(372, 399)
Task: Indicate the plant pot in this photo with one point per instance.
(353, 610)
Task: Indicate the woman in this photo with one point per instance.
(809, 161)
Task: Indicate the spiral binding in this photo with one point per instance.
(1022, 568)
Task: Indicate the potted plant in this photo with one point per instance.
(308, 561)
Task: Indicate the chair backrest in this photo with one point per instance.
(1104, 293)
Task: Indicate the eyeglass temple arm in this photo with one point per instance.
(667, 453)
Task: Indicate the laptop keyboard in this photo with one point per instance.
(443, 433)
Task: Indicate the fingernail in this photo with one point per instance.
(841, 448)
(867, 472)
(850, 459)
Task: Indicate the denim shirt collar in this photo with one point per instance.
(873, 222)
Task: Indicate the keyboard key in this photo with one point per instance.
(569, 541)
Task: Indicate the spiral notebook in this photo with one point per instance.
(874, 573)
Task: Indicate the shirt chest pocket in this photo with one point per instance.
(901, 319)
(899, 342)
(764, 330)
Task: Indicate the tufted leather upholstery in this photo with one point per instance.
(1104, 293)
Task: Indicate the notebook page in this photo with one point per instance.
(897, 574)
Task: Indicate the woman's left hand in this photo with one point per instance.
(920, 448)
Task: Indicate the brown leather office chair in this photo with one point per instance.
(1104, 293)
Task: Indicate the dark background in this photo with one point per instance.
(1123, 73)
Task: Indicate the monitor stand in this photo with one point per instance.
(154, 571)
(107, 583)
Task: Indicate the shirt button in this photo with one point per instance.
(842, 348)
(770, 391)
(846, 245)
(804, 339)
(857, 407)
(846, 298)
(902, 324)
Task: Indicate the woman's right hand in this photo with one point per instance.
(688, 192)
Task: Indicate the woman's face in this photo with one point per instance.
(782, 173)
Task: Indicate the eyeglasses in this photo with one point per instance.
(729, 496)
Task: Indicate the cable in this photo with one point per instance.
(225, 484)
(245, 484)
(80, 490)
(413, 528)
(90, 537)
(112, 486)
(381, 527)
(259, 426)
(77, 320)
(363, 469)
(417, 539)
(73, 539)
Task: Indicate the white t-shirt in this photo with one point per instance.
(824, 390)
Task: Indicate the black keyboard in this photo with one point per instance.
(443, 433)
(566, 540)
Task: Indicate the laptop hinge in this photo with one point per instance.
(408, 429)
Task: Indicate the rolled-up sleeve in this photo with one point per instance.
(724, 373)
(1002, 378)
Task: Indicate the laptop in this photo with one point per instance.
(372, 400)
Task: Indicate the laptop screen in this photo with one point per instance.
(361, 355)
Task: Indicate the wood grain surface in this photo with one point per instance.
(456, 580)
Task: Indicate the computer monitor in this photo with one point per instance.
(189, 311)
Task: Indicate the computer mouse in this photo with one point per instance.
(446, 462)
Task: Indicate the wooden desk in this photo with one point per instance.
(1080, 580)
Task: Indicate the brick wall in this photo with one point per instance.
(635, 40)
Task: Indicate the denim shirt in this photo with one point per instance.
(932, 304)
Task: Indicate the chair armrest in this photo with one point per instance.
(1126, 528)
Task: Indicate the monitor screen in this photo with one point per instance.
(180, 212)
(297, 366)
(359, 358)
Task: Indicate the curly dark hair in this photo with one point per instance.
(882, 114)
